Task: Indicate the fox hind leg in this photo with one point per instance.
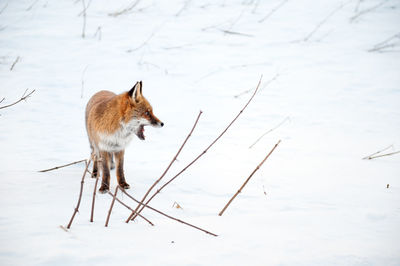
(119, 157)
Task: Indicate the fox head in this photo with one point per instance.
(139, 112)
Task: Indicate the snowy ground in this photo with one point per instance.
(314, 202)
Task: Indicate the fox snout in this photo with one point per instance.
(157, 123)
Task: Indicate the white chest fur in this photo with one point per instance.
(120, 139)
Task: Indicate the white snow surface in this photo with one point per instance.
(313, 202)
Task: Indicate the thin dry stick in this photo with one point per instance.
(247, 180)
(272, 129)
(98, 31)
(80, 194)
(166, 170)
(362, 12)
(273, 11)
(183, 8)
(385, 44)
(129, 208)
(124, 10)
(266, 84)
(31, 6)
(84, 19)
(94, 198)
(236, 33)
(15, 62)
(1, 11)
(168, 216)
(23, 97)
(375, 153)
(111, 206)
(204, 152)
(322, 22)
(61, 166)
(387, 154)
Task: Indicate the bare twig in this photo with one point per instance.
(1, 11)
(322, 22)
(31, 6)
(23, 97)
(257, 2)
(377, 154)
(98, 32)
(276, 8)
(386, 44)
(387, 154)
(85, 8)
(367, 10)
(358, 5)
(2, 100)
(166, 170)
(187, 2)
(15, 62)
(61, 166)
(111, 206)
(129, 208)
(168, 216)
(80, 193)
(247, 180)
(84, 19)
(236, 33)
(94, 198)
(269, 131)
(145, 42)
(204, 152)
(265, 85)
(125, 10)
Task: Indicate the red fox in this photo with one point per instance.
(111, 122)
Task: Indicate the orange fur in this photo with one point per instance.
(111, 122)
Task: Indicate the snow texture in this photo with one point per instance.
(314, 201)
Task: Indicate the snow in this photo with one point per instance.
(313, 202)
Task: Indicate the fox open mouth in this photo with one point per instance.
(140, 133)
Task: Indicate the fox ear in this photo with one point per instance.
(136, 92)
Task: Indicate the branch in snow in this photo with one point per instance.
(205, 151)
(1, 11)
(166, 215)
(15, 62)
(31, 6)
(111, 206)
(391, 42)
(269, 131)
(61, 166)
(80, 193)
(276, 8)
(322, 22)
(23, 97)
(84, 17)
(248, 179)
(377, 154)
(125, 10)
(266, 84)
(136, 211)
(187, 2)
(365, 11)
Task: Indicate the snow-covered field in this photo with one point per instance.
(314, 201)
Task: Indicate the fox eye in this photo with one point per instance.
(147, 113)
